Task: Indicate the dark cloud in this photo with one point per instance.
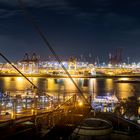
(83, 24)
(6, 13)
(36, 3)
(89, 10)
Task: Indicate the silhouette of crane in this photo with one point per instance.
(5, 58)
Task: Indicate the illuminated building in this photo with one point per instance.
(29, 64)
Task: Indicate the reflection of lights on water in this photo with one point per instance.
(7, 79)
(91, 82)
(20, 83)
(69, 84)
(51, 84)
(7, 82)
(94, 86)
(109, 84)
(126, 91)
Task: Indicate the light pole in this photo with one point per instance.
(128, 59)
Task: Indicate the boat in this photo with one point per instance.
(106, 99)
(104, 103)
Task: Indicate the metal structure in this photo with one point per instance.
(5, 58)
(116, 58)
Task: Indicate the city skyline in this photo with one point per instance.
(73, 28)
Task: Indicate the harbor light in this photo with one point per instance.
(12, 115)
(32, 111)
(80, 103)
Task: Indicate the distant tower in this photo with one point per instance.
(90, 57)
(25, 62)
(81, 57)
(34, 63)
(26, 57)
(118, 55)
(34, 57)
(110, 58)
(72, 63)
(30, 64)
(128, 60)
(116, 58)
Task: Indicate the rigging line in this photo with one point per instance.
(34, 86)
(43, 37)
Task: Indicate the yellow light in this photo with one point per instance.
(125, 78)
(80, 103)
(36, 96)
(12, 115)
(35, 79)
(139, 110)
(32, 111)
(19, 78)
(109, 84)
(51, 84)
(7, 79)
(110, 73)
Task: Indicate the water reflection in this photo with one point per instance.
(62, 88)
(91, 85)
(69, 86)
(14, 83)
(51, 85)
(95, 86)
(125, 90)
(109, 84)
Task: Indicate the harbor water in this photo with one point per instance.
(63, 87)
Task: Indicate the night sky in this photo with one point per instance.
(92, 28)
